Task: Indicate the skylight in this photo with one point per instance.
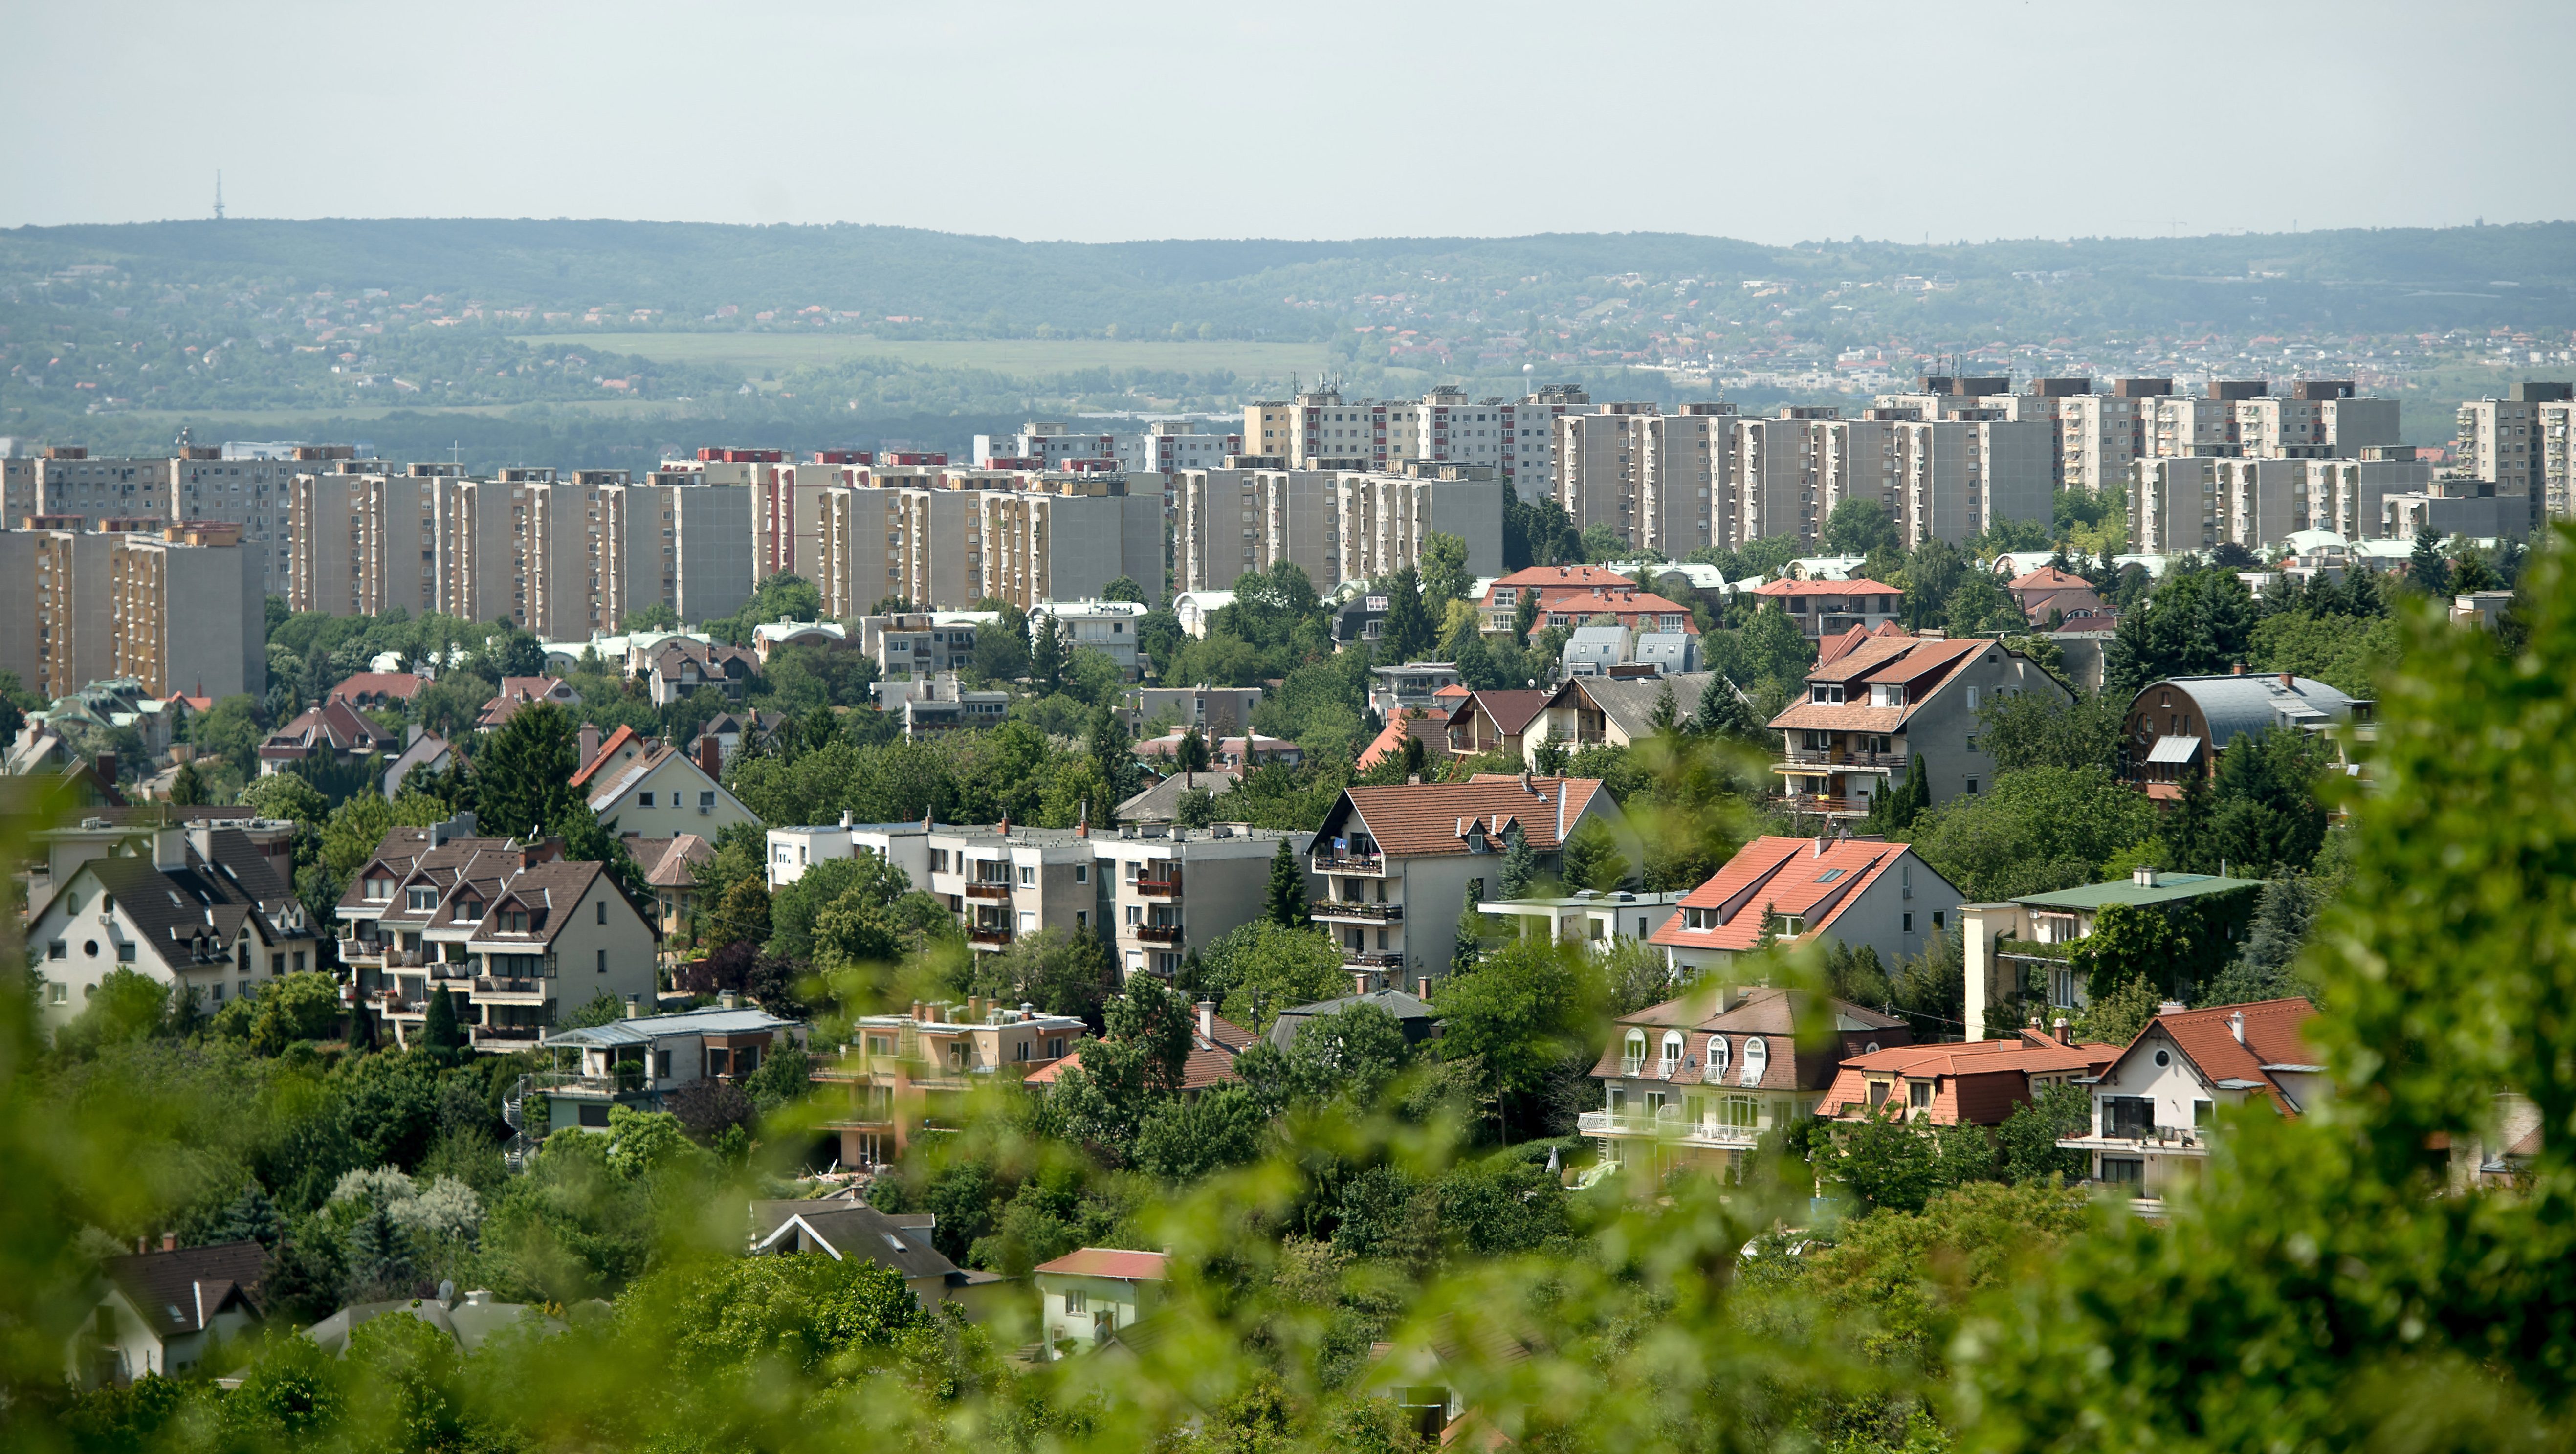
(1829, 875)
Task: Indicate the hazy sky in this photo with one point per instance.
(1776, 122)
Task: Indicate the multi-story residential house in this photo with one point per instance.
(1176, 890)
(1087, 1295)
(2155, 1108)
(1555, 586)
(1397, 861)
(844, 1228)
(17, 490)
(670, 868)
(176, 608)
(2503, 444)
(1891, 705)
(681, 666)
(1961, 476)
(2178, 726)
(941, 703)
(1107, 627)
(1415, 686)
(517, 692)
(197, 486)
(2317, 419)
(1318, 429)
(1825, 608)
(2557, 426)
(1249, 515)
(1857, 892)
(1619, 710)
(904, 846)
(638, 786)
(2016, 953)
(2049, 593)
(197, 905)
(1007, 882)
(921, 644)
(334, 729)
(1215, 1045)
(1695, 1082)
(1778, 484)
(640, 1060)
(903, 1073)
(1972, 1083)
(1586, 916)
(1235, 754)
(163, 1311)
(1495, 721)
(948, 539)
(524, 935)
(1215, 711)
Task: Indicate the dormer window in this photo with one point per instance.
(420, 899)
(1828, 693)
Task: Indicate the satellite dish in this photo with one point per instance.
(447, 1291)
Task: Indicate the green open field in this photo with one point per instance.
(1030, 358)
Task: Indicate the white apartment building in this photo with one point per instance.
(2557, 459)
(1045, 444)
(1107, 627)
(1174, 890)
(1043, 537)
(1318, 429)
(1006, 882)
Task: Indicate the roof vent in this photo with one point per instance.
(2236, 1026)
(2143, 876)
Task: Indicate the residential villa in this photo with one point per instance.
(2017, 952)
(845, 1228)
(1089, 1294)
(1821, 608)
(640, 1060)
(1586, 916)
(1855, 891)
(903, 1073)
(160, 1312)
(1173, 891)
(2155, 1107)
(1873, 711)
(1961, 1083)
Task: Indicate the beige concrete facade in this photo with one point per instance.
(2502, 443)
(176, 609)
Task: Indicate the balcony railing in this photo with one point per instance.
(1665, 1122)
(982, 935)
(1352, 959)
(1349, 863)
(988, 891)
(1158, 888)
(1352, 909)
(1836, 757)
(485, 984)
(529, 1034)
(1159, 933)
(1831, 807)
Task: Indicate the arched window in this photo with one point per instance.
(1633, 1054)
(1757, 1058)
(1716, 1068)
(1672, 1052)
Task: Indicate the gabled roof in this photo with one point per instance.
(1419, 819)
(335, 726)
(607, 750)
(400, 685)
(1861, 586)
(2207, 1038)
(605, 795)
(1431, 731)
(670, 863)
(842, 1230)
(2050, 578)
(517, 692)
(1815, 879)
(181, 1291)
(1554, 578)
(1404, 1007)
(1832, 648)
(1629, 702)
(1923, 666)
(547, 891)
(1110, 1262)
(1161, 803)
(195, 913)
(2022, 1056)
(1511, 711)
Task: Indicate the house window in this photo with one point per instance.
(420, 900)
(1877, 1093)
(1672, 1052)
(1757, 1058)
(2203, 1115)
(643, 800)
(2123, 1171)
(661, 1065)
(1909, 922)
(1972, 787)
(705, 800)
(602, 906)
(2128, 1116)
(1633, 1053)
(1076, 1303)
(1744, 1113)
(603, 961)
(125, 951)
(1082, 873)
(1937, 917)
(719, 1061)
(595, 1117)
(56, 950)
(1918, 1095)
(1028, 875)
(1715, 1070)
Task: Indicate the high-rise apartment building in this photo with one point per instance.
(2557, 425)
(2317, 419)
(1318, 429)
(1778, 482)
(1957, 477)
(17, 490)
(1657, 480)
(2198, 502)
(1381, 520)
(176, 608)
(364, 541)
(1022, 537)
(2502, 444)
(2100, 435)
(1239, 519)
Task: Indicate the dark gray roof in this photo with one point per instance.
(1415, 1015)
(194, 913)
(1630, 701)
(645, 1029)
(468, 1322)
(843, 1229)
(180, 1292)
(1161, 803)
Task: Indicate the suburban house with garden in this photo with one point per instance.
(640, 1060)
(636, 785)
(1090, 1293)
(1856, 891)
(2028, 956)
(159, 1311)
(1215, 1042)
(1963, 1083)
(846, 1229)
(2156, 1106)
(1822, 608)
(1397, 862)
(2177, 727)
(1894, 706)
(901, 1074)
(1617, 710)
(1695, 1081)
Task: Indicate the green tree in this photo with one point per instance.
(2033, 831)
(1258, 969)
(1123, 589)
(1192, 755)
(1592, 859)
(1284, 903)
(2041, 729)
(2426, 569)
(1520, 863)
(1444, 574)
(523, 775)
(439, 1032)
(1468, 942)
(1860, 527)
(1409, 633)
(1046, 656)
(2197, 623)
(186, 788)
(1524, 1011)
(2029, 1136)
(1113, 760)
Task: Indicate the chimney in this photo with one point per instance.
(142, 1245)
(916, 1010)
(1082, 824)
(2065, 1032)
(2236, 1026)
(1422, 987)
(1822, 842)
(710, 755)
(2171, 1007)
(1207, 1019)
(725, 1000)
(107, 768)
(2238, 669)
(2287, 681)
(1359, 981)
(2144, 876)
(169, 1241)
(1004, 828)
(634, 1007)
(1525, 782)
(589, 742)
(1411, 779)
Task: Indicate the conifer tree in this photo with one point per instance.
(439, 1030)
(1520, 863)
(1285, 904)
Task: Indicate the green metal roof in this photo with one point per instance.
(2169, 888)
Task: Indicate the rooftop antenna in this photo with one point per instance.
(219, 194)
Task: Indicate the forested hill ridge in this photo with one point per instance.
(707, 275)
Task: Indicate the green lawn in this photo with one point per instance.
(1018, 357)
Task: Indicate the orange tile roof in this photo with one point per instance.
(1850, 1091)
(1790, 876)
(1562, 578)
(1432, 731)
(617, 739)
(1768, 1014)
(1110, 1262)
(2272, 1037)
(1420, 819)
(1922, 666)
(399, 684)
(1210, 1063)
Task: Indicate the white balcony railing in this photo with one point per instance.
(1667, 1123)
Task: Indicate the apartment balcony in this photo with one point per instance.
(1353, 959)
(507, 1037)
(1355, 912)
(1830, 807)
(1666, 1123)
(1000, 891)
(987, 937)
(1159, 888)
(1368, 863)
(1888, 762)
(1158, 933)
(508, 991)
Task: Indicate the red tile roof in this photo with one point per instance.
(1830, 649)
(1210, 1063)
(2019, 1057)
(2050, 578)
(617, 739)
(1433, 732)
(1420, 819)
(1922, 666)
(1547, 578)
(400, 685)
(1789, 875)
(2272, 1037)
(1110, 1262)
